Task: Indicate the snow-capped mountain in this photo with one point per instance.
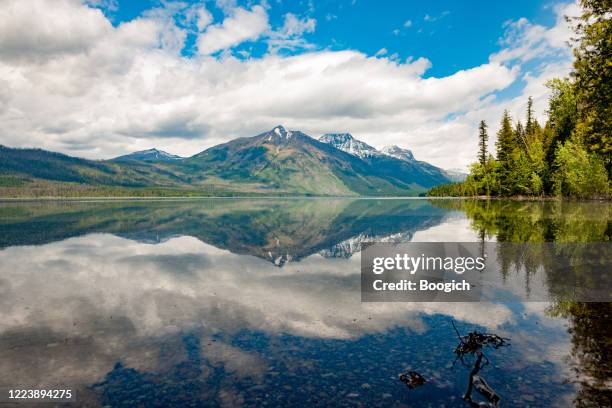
(406, 155)
(390, 162)
(279, 135)
(150, 155)
(347, 143)
(348, 247)
(278, 161)
(398, 153)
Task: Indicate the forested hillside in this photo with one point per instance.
(571, 154)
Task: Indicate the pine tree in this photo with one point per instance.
(483, 138)
(506, 145)
(593, 77)
(505, 138)
(530, 125)
(520, 135)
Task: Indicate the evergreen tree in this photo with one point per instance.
(562, 109)
(572, 154)
(530, 125)
(593, 76)
(520, 136)
(536, 126)
(506, 146)
(505, 138)
(562, 118)
(483, 138)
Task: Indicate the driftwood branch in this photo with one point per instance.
(473, 343)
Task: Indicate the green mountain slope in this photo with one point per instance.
(294, 162)
(45, 165)
(275, 162)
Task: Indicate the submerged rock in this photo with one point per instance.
(412, 379)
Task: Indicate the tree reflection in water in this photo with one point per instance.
(560, 222)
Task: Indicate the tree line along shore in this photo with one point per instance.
(571, 154)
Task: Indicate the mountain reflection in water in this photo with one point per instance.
(255, 302)
(278, 231)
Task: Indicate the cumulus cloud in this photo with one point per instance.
(75, 83)
(240, 26)
(33, 30)
(547, 51)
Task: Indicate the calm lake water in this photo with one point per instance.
(257, 303)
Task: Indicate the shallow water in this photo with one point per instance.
(257, 302)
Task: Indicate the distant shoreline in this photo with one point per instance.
(289, 197)
(526, 198)
(194, 198)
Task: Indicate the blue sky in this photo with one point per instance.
(453, 35)
(99, 78)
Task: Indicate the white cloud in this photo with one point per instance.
(548, 51)
(524, 41)
(294, 26)
(239, 26)
(202, 17)
(36, 29)
(561, 33)
(226, 5)
(107, 90)
(381, 52)
(289, 36)
(408, 23)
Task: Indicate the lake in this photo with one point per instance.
(256, 302)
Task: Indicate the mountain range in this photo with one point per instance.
(276, 162)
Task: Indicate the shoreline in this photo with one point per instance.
(294, 197)
(526, 198)
(190, 198)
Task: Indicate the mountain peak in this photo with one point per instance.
(347, 143)
(278, 134)
(151, 151)
(398, 153)
(149, 155)
(336, 137)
